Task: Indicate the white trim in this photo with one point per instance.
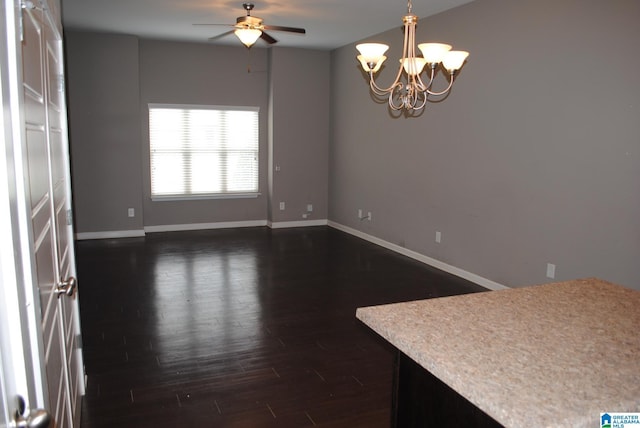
(110, 234)
(202, 107)
(484, 282)
(300, 223)
(196, 226)
(203, 226)
(198, 197)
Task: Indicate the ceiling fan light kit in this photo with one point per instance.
(248, 36)
(411, 93)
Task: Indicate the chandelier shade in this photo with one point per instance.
(453, 60)
(372, 53)
(409, 92)
(434, 52)
(413, 66)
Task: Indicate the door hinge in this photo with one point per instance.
(69, 217)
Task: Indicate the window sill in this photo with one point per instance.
(173, 198)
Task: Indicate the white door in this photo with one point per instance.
(40, 155)
(17, 359)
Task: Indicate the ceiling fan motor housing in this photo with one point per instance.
(248, 22)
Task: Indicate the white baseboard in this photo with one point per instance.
(301, 223)
(197, 226)
(204, 226)
(477, 279)
(112, 234)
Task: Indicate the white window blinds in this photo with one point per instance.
(203, 151)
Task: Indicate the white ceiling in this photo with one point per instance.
(329, 23)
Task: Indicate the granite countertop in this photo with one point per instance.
(552, 355)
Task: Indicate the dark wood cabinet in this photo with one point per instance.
(420, 399)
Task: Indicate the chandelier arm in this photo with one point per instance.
(416, 98)
(423, 87)
(419, 85)
(382, 91)
(424, 102)
(392, 105)
(403, 100)
(444, 91)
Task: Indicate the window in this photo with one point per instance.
(199, 152)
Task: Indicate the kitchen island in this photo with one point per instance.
(548, 355)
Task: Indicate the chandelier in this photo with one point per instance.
(411, 92)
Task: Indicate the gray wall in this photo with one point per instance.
(533, 158)
(113, 78)
(104, 131)
(300, 133)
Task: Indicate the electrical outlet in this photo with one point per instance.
(309, 208)
(281, 206)
(360, 214)
(369, 216)
(131, 212)
(438, 237)
(551, 270)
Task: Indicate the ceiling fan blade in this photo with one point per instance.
(219, 36)
(267, 38)
(288, 29)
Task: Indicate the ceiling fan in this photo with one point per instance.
(249, 28)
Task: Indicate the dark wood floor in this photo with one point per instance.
(241, 328)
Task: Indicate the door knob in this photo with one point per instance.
(66, 287)
(37, 418)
